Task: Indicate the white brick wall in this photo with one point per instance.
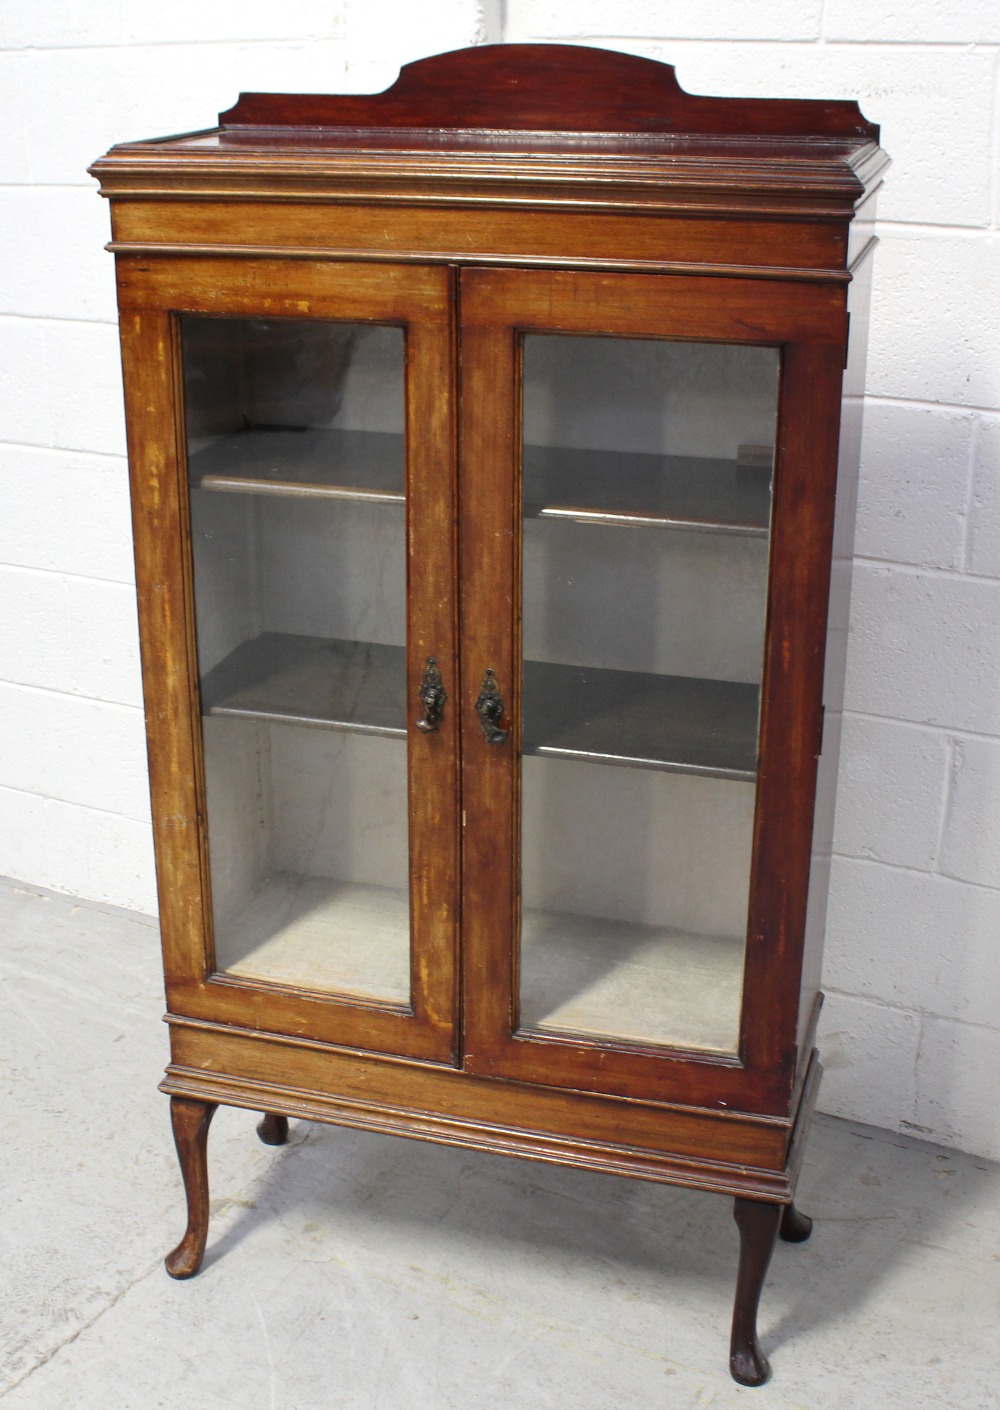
(912, 1031)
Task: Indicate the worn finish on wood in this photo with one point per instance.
(273, 1129)
(758, 1226)
(191, 1120)
(419, 299)
(500, 190)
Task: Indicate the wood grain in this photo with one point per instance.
(547, 87)
(500, 190)
(482, 230)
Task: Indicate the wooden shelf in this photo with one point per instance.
(366, 466)
(588, 486)
(357, 686)
(640, 720)
(679, 724)
(630, 487)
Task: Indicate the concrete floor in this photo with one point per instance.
(372, 1273)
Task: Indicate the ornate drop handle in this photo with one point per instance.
(432, 697)
(489, 708)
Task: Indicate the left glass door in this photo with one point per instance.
(322, 660)
(296, 449)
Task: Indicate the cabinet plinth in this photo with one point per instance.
(488, 479)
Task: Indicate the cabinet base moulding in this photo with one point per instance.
(750, 1157)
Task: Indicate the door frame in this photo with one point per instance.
(808, 324)
(153, 294)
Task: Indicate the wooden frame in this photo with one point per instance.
(489, 194)
(810, 329)
(151, 298)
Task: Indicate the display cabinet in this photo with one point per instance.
(491, 560)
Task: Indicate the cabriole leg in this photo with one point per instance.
(758, 1226)
(191, 1120)
(273, 1129)
(795, 1227)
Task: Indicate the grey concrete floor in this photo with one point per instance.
(367, 1272)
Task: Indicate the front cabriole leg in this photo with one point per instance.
(758, 1226)
(191, 1120)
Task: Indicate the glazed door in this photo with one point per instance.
(642, 647)
(307, 633)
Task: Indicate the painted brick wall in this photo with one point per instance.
(74, 78)
(911, 1031)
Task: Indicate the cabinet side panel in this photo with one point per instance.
(149, 365)
(836, 650)
(792, 700)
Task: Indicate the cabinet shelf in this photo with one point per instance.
(680, 724)
(587, 486)
(358, 686)
(673, 723)
(632, 487)
(366, 466)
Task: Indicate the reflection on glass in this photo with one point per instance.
(647, 495)
(297, 471)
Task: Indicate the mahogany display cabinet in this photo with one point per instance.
(493, 566)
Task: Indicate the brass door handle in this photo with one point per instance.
(489, 708)
(432, 697)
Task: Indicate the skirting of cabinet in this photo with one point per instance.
(729, 1152)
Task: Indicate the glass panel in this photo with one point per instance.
(297, 465)
(647, 499)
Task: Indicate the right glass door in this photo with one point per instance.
(646, 492)
(646, 469)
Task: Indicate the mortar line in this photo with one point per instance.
(69, 803)
(43, 448)
(702, 41)
(919, 1013)
(970, 491)
(922, 404)
(922, 725)
(995, 146)
(128, 583)
(941, 876)
(947, 792)
(135, 709)
(14, 316)
(923, 570)
(279, 42)
(930, 227)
